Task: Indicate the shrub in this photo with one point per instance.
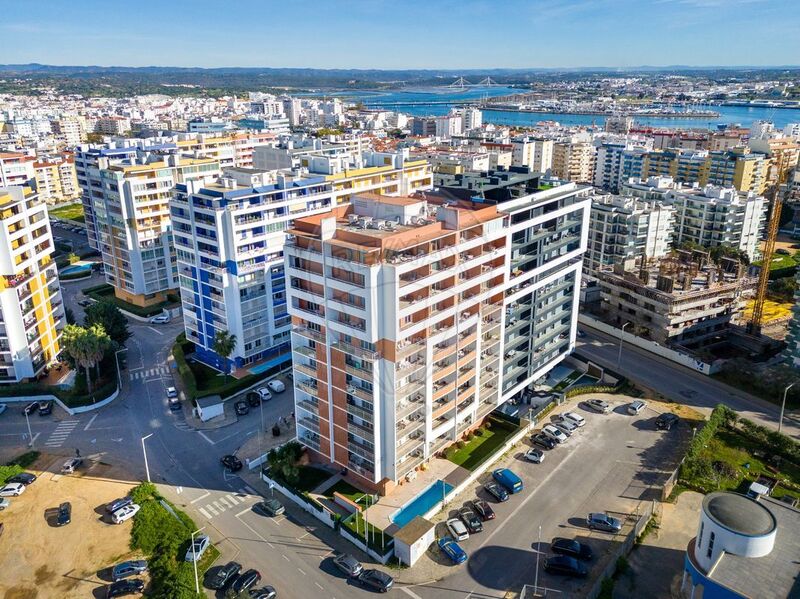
(460, 444)
(469, 436)
(479, 432)
(25, 460)
(487, 425)
(725, 469)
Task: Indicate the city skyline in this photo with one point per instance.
(543, 34)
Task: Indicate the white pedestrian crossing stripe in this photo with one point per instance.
(61, 432)
(149, 373)
(226, 502)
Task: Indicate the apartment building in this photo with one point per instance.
(31, 308)
(791, 353)
(673, 302)
(229, 238)
(617, 162)
(415, 317)
(714, 216)
(16, 169)
(622, 228)
(69, 130)
(783, 154)
(573, 161)
(56, 180)
(536, 154)
(738, 168)
(113, 125)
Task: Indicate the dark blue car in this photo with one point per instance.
(452, 550)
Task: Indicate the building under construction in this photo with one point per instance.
(684, 299)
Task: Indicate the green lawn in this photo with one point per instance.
(356, 522)
(310, 478)
(345, 488)
(476, 451)
(738, 451)
(780, 261)
(106, 292)
(72, 212)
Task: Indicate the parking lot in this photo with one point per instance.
(43, 560)
(615, 464)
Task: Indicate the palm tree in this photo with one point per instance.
(224, 344)
(86, 345)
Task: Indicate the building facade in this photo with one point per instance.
(573, 161)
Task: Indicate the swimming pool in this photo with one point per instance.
(76, 268)
(422, 503)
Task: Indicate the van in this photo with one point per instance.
(635, 408)
(510, 481)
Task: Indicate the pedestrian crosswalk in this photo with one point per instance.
(147, 373)
(225, 502)
(61, 432)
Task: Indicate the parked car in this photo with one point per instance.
(564, 428)
(543, 441)
(452, 550)
(471, 520)
(458, 530)
(118, 504)
(174, 404)
(160, 319)
(576, 419)
(604, 522)
(198, 548)
(666, 421)
(266, 592)
(64, 516)
(554, 433)
(276, 386)
(496, 491)
(125, 513)
(4, 503)
(264, 393)
(562, 421)
(45, 408)
(241, 407)
(244, 582)
(269, 508)
(71, 465)
(535, 455)
(598, 405)
(349, 565)
(565, 566)
(254, 399)
(376, 579)
(12, 490)
(218, 578)
(172, 392)
(84, 303)
(508, 480)
(231, 462)
(571, 547)
(635, 407)
(30, 408)
(127, 569)
(483, 509)
(125, 587)
(25, 478)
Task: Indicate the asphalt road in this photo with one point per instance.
(679, 383)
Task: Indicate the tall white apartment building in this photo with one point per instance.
(536, 154)
(573, 160)
(229, 238)
(449, 125)
(415, 317)
(626, 227)
(113, 125)
(16, 169)
(715, 216)
(31, 308)
(472, 118)
(616, 163)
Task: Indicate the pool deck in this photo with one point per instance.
(380, 514)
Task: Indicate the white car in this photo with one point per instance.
(574, 418)
(535, 455)
(276, 386)
(172, 392)
(265, 394)
(554, 433)
(160, 319)
(71, 465)
(598, 405)
(125, 513)
(457, 529)
(565, 424)
(635, 407)
(12, 490)
(195, 551)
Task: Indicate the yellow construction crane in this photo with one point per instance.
(754, 326)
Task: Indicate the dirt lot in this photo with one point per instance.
(70, 561)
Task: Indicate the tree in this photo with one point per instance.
(283, 462)
(86, 345)
(107, 314)
(73, 258)
(224, 344)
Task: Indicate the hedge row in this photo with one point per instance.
(71, 398)
(584, 389)
(720, 416)
(776, 442)
(185, 372)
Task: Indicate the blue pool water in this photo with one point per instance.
(422, 503)
(77, 268)
(585, 380)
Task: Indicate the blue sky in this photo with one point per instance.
(401, 33)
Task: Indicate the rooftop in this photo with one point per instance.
(739, 514)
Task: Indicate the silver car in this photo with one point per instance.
(598, 405)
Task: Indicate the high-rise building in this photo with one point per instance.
(56, 179)
(616, 162)
(229, 239)
(113, 125)
(739, 168)
(574, 161)
(536, 154)
(31, 308)
(622, 228)
(16, 169)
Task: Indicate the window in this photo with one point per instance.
(700, 536)
(710, 546)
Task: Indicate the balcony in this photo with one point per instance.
(309, 406)
(362, 373)
(306, 370)
(362, 413)
(366, 472)
(360, 430)
(408, 427)
(409, 445)
(309, 424)
(306, 351)
(407, 347)
(409, 408)
(408, 465)
(308, 388)
(309, 333)
(360, 352)
(361, 450)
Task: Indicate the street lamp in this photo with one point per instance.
(538, 551)
(116, 359)
(783, 404)
(30, 434)
(619, 357)
(144, 451)
(194, 560)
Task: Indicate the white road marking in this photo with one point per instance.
(232, 499)
(242, 512)
(211, 509)
(86, 428)
(284, 557)
(218, 506)
(206, 494)
(224, 501)
(202, 434)
(322, 589)
(411, 593)
(33, 439)
(270, 545)
(205, 513)
(155, 330)
(301, 572)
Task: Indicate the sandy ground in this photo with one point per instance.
(69, 561)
